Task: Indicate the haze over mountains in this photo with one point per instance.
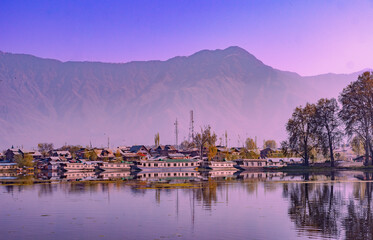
(44, 100)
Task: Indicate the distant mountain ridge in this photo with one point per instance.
(46, 100)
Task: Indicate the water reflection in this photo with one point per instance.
(318, 205)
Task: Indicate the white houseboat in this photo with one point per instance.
(167, 165)
(78, 167)
(8, 166)
(214, 165)
(251, 164)
(114, 167)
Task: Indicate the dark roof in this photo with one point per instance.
(136, 148)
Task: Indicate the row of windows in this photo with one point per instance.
(253, 164)
(7, 167)
(168, 174)
(168, 164)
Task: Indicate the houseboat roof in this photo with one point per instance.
(8, 164)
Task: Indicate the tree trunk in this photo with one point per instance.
(331, 153)
(306, 163)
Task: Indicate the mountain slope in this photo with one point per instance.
(78, 102)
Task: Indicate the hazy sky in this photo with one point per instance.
(308, 37)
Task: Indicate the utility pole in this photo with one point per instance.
(191, 127)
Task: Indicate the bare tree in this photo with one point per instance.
(327, 123)
(357, 111)
(301, 128)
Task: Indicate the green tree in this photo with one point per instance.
(24, 161)
(301, 129)
(328, 132)
(357, 111)
(270, 144)
(250, 144)
(212, 152)
(91, 155)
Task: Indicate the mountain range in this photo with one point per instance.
(46, 100)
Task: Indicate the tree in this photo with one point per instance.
(156, 139)
(72, 149)
(250, 144)
(327, 123)
(270, 144)
(357, 111)
(187, 145)
(357, 145)
(300, 128)
(246, 154)
(212, 152)
(205, 139)
(91, 155)
(24, 161)
(44, 148)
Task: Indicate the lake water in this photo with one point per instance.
(221, 206)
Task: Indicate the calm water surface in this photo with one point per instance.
(240, 206)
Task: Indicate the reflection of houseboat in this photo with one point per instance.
(168, 176)
(114, 175)
(251, 164)
(82, 166)
(74, 175)
(167, 165)
(219, 174)
(214, 165)
(105, 166)
(8, 175)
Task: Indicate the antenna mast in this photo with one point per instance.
(176, 134)
(191, 127)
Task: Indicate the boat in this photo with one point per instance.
(214, 165)
(79, 176)
(81, 166)
(114, 167)
(166, 165)
(251, 164)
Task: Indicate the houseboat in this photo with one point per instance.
(79, 176)
(8, 166)
(251, 164)
(114, 167)
(81, 166)
(214, 165)
(166, 165)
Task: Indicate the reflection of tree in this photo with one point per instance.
(359, 220)
(206, 193)
(313, 207)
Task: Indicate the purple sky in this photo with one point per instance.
(308, 37)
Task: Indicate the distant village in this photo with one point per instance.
(145, 158)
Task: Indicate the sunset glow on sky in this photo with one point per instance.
(307, 37)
